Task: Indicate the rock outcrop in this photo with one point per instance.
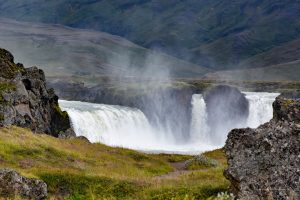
(12, 185)
(26, 102)
(264, 163)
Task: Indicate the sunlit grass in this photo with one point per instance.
(76, 169)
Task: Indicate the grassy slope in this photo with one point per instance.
(77, 169)
(63, 51)
(212, 32)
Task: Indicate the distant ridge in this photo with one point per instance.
(63, 51)
(289, 71)
(220, 34)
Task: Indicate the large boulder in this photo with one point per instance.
(12, 185)
(264, 163)
(25, 101)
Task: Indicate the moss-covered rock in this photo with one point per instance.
(8, 68)
(201, 162)
(287, 107)
(13, 185)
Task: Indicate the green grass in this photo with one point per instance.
(76, 169)
(5, 87)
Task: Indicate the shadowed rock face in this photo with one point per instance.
(226, 108)
(25, 100)
(264, 163)
(12, 184)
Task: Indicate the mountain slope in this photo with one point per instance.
(282, 72)
(285, 53)
(62, 51)
(214, 33)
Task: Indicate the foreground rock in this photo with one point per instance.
(25, 101)
(264, 163)
(12, 185)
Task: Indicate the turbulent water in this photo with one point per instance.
(260, 107)
(120, 126)
(260, 111)
(129, 127)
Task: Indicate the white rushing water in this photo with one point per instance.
(260, 112)
(260, 107)
(122, 127)
(128, 127)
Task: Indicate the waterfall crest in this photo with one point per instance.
(129, 128)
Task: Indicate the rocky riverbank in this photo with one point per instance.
(264, 163)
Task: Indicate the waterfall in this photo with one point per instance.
(260, 112)
(129, 128)
(198, 121)
(260, 106)
(122, 127)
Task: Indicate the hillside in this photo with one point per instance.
(62, 51)
(283, 54)
(282, 72)
(213, 33)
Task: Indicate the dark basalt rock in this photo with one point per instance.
(26, 102)
(264, 163)
(12, 185)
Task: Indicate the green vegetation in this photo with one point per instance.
(201, 162)
(5, 87)
(8, 68)
(59, 112)
(287, 102)
(76, 169)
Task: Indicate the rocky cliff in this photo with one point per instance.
(264, 163)
(25, 101)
